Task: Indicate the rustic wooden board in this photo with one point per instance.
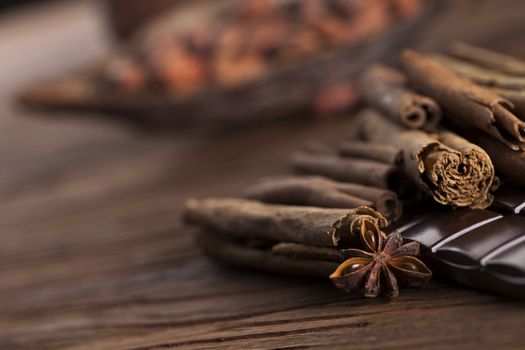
(94, 255)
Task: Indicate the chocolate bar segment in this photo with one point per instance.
(480, 248)
(509, 263)
(506, 269)
(470, 248)
(445, 225)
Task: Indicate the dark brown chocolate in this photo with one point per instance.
(481, 248)
(435, 229)
(509, 199)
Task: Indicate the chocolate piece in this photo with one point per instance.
(508, 264)
(509, 199)
(480, 248)
(469, 248)
(438, 228)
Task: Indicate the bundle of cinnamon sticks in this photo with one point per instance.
(456, 120)
(333, 212)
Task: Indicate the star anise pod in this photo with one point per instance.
(384, 260)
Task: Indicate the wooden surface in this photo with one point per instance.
(93, 253)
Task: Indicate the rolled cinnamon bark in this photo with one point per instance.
(517, 97)
(507, 162)
(467, 103)
(362, 171)
(480, 75)
(318, 147)
(226, 251)
(375, 151)
(489, 59)
(509, 87)
(322, 192)
(452, 170)
(308, 252)
(307, 225)
(383, 88)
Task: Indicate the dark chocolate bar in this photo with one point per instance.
(509, 199)
(481, 248)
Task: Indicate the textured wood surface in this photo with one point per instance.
(93, 254)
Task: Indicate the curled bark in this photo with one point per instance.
(322, 192)
(480, 75)
(452, 170)
(517, 97)
(507, 162)
(467, 103)
(226, 251)
(375, 151)
(362, 171)
(489, 59)
(383, 88)
(307, 252)
(308, 225)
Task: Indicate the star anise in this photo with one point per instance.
(384, 260)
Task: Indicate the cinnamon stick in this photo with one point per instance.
(517, 97)
(307, 252)
(322, 192)
(384, 88)
(227, 251)
(375, 151)
(489, 59)
(362, 171)
(452, 170)
(506, 161)
(480, 75)
(510, 87)
(307, 225)
(466, 103)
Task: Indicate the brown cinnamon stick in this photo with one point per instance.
(362, 171)
(510, 87)
(226, 251)
(480, 75)
(517, 97)
(466, 103)
(322, 192)
(506, 161)
(307, 225)
(452, 170)
(375, 151)
(384, 88)
(489, 59)
(308, 252)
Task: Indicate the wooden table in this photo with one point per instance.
(94, 254)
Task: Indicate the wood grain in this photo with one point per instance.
(94, 255)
